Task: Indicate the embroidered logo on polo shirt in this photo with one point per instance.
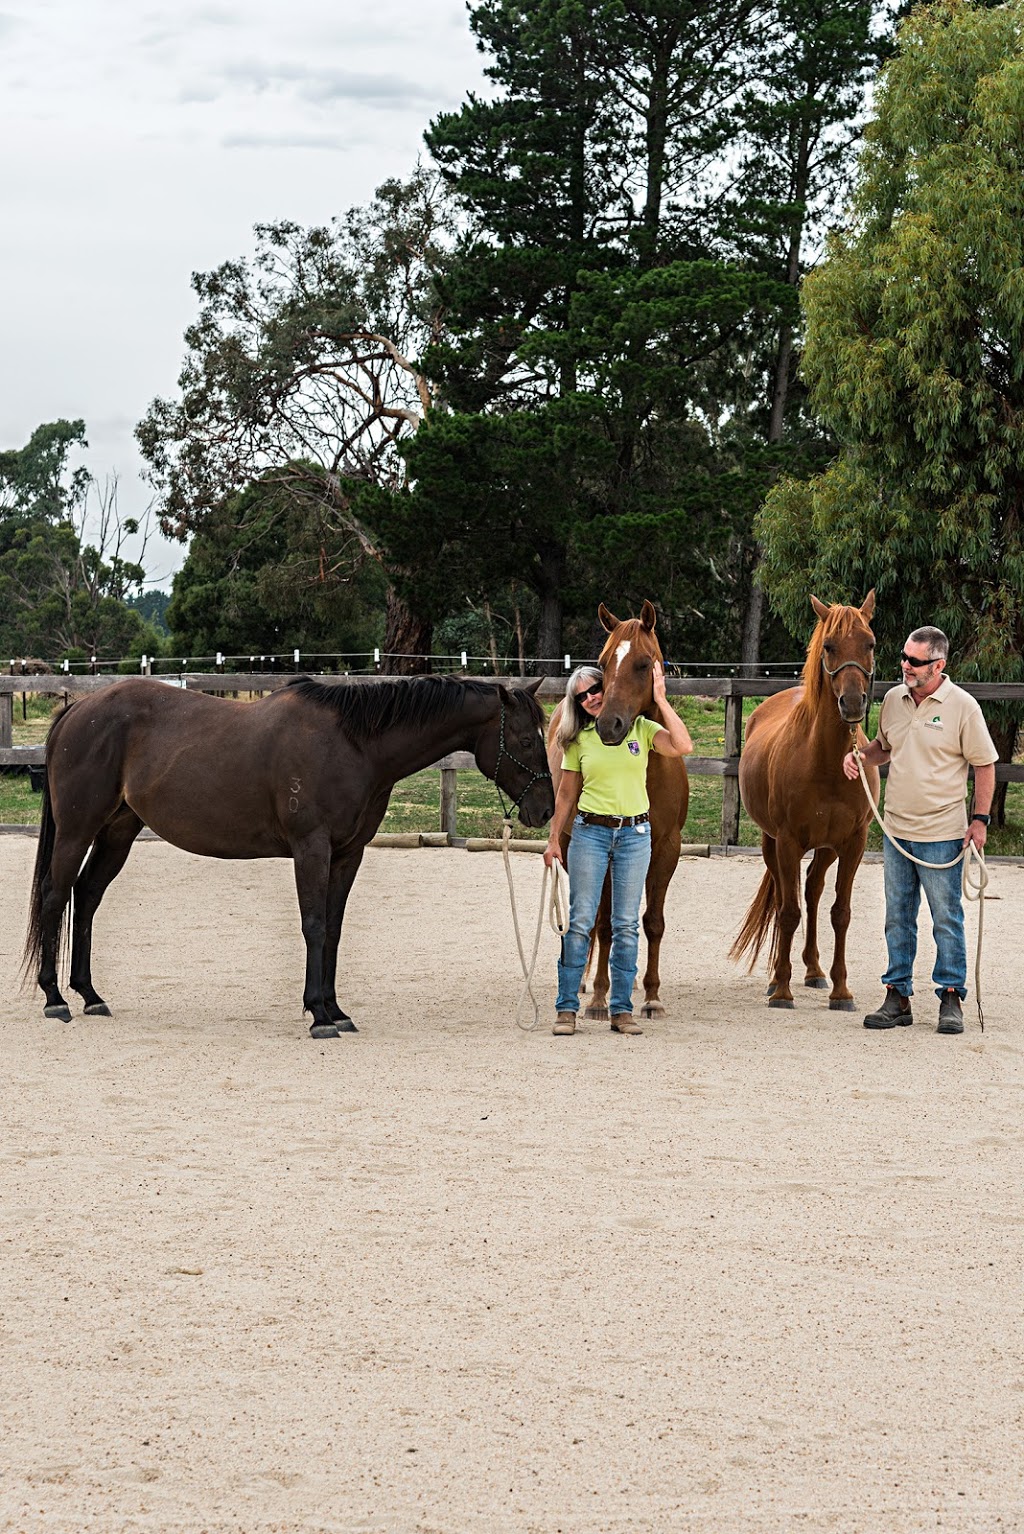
(634, 748)
(935, 722)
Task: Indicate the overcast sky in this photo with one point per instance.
(141, 143)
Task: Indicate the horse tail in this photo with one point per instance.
(760, 919)
(33, 954)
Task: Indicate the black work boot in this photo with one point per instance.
(895, 1011)
(951, 1013)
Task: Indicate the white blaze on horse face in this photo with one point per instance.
(622, 651)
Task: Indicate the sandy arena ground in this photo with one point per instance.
(755, 1271)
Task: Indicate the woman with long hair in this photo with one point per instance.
(602, 794)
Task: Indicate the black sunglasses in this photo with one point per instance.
(590, 692)
(915, 662)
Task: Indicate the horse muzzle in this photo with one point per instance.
(537, 805)
(613, 729)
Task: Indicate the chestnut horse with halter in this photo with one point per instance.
(305, 774)
(792, 785)
(627, 661)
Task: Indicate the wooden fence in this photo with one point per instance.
(732, 691)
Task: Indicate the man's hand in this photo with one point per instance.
(978, 834)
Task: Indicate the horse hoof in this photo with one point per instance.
(323, 1031)
(600, 1013)
(780, 1001)
(61, 1012)
(98, 1009)
(769, 990)
(841, 1006)
(652, 1009)
(346, 1025)
(817, 982)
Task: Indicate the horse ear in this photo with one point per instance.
(867, 607)
(608, 620)
(648, 617)
(534, 686)
(820, 608)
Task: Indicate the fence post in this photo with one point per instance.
(449, 799)
(730, 785)
(6, 720)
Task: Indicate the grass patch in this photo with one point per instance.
(416, 801)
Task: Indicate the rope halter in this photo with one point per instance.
(535, 777)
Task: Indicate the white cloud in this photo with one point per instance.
(141, 145)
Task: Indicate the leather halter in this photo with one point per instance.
(503, 751)
(870, 675)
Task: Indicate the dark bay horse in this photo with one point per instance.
(627, 661)
(305, 774)
(792, 785)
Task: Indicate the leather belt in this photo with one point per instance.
(615, 822)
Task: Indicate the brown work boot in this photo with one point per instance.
(565, 1022)
(895, 1011)
(623, 1022)
(951, 1013)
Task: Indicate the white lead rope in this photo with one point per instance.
(973, 880)
(554, 904)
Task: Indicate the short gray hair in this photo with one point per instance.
(935, 639)
(573, 718)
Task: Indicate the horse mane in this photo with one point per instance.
(368, 709)
(840, 622)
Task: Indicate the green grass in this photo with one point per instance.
(415, 802)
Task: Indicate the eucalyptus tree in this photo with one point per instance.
(301, 373)
(915, 357)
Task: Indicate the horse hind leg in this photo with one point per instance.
(108, 856)
(55, 893)
(664, 862)
(821, 862)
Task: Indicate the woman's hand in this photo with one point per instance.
(660, 695)
(553, 853)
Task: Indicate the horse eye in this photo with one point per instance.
(829, 648)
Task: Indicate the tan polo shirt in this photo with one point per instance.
(932, 744)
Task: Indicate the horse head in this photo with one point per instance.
(842, 655)
(512, 752)
(627, 660)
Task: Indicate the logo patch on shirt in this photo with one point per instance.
(634, 747)
(935, 722)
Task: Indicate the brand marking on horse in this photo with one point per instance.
(294, 786)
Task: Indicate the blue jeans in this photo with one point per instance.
(904, 882)
(592, 851)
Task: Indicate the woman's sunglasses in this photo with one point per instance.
(590, 692)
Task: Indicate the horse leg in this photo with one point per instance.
(821, 862)
(602, 939)
(342, 876)
(664, 862)
(787, 918)
(312, 861)
(108, 856)
(841, 997)
(57, 884)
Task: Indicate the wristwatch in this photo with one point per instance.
(985, 819)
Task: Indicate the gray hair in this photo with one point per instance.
(935, 639)
(573, 718)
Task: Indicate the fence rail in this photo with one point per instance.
(732, 690)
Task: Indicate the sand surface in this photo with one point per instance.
(756, 1270)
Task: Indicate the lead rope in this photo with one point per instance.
(554, 904)
(972, 885)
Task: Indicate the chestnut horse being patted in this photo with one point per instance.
(792, 785)
(627, 661)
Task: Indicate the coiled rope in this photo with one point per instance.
(973, 879)
(553, 903)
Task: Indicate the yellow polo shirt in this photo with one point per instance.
(932, 744)
(614, 777)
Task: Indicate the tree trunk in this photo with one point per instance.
(1004, 738)
(408, 639)
(750, 644)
